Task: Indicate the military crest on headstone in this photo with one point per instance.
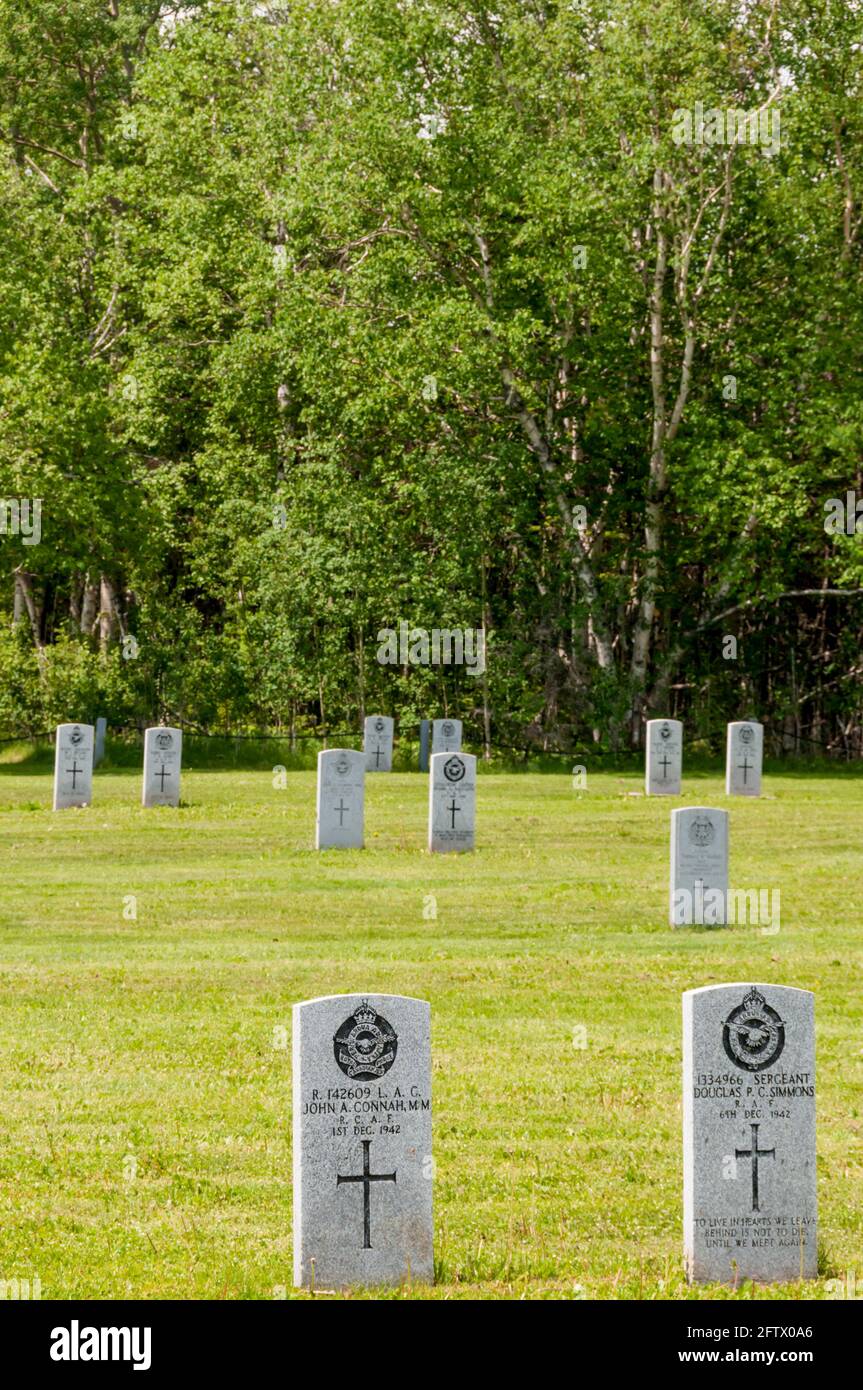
(446, 736)
(702, 832)
(753, 1034)
(366, 1045)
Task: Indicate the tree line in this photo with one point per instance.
(536, 319)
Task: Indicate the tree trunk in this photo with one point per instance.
(89, 607)
(108, 625)
(26, 602)
(361, 675)
(486, 708)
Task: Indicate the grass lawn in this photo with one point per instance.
(145, 1064)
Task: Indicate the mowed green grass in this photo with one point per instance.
(145, 1148)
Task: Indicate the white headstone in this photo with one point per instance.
(341, 797)
(664, 757)
(446, 736)
(378, 743)
(699, 866)
(101, 730)
(362, 1141)
(744, 754)
(163, 755)
(749, 1190)
(452, 802)
(73, 766)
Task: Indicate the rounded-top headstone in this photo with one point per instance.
(743, 758)
(663, 757)
(446, 736)
(362, 1141)
(341, 799)
(698, 889)
(749, 1182)
(73, 766)
(163, 756)
(378, 742)
(452, 802)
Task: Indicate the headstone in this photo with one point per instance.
(664, 760)
(699, 866)
(749, 1190)
(341, 797)
(73, 766)
(452, 802)
(163, 755)
(101, 730)
(425, 725)
(378, 743)
(362, 1141)
(446, 736)
(744, 754)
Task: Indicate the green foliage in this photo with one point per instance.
(66, 681)
(323, 264)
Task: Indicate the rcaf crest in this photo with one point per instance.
(665, 731)
(746, 734)
(365, 1046)
(447, 729)
(164, 741)
(76, 736)
(753, 1034)
(454, 769)
(702, 832)
(379, 725)
(343, 764)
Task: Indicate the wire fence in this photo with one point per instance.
(715, 740)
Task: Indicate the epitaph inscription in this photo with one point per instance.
(362, 1141)
(749, 1181)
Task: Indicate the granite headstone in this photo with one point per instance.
(341, 798)
(163, 756)
(699, 867)
(425, 728)
(749, 1182)
(73, 766)
(452, 802)
(446, 736)
(362, 1141)
(664, 757)
(378, 743)
(743, 759)
(101, 730)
